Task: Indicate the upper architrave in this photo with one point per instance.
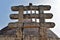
(44, 7)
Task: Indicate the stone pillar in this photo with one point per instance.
(43, 30)
(20, 24)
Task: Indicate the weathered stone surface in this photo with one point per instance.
(25, 28)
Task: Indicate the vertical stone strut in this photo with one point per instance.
(43, 30)
(20, 24)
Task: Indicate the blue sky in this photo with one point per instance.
(5, 11)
